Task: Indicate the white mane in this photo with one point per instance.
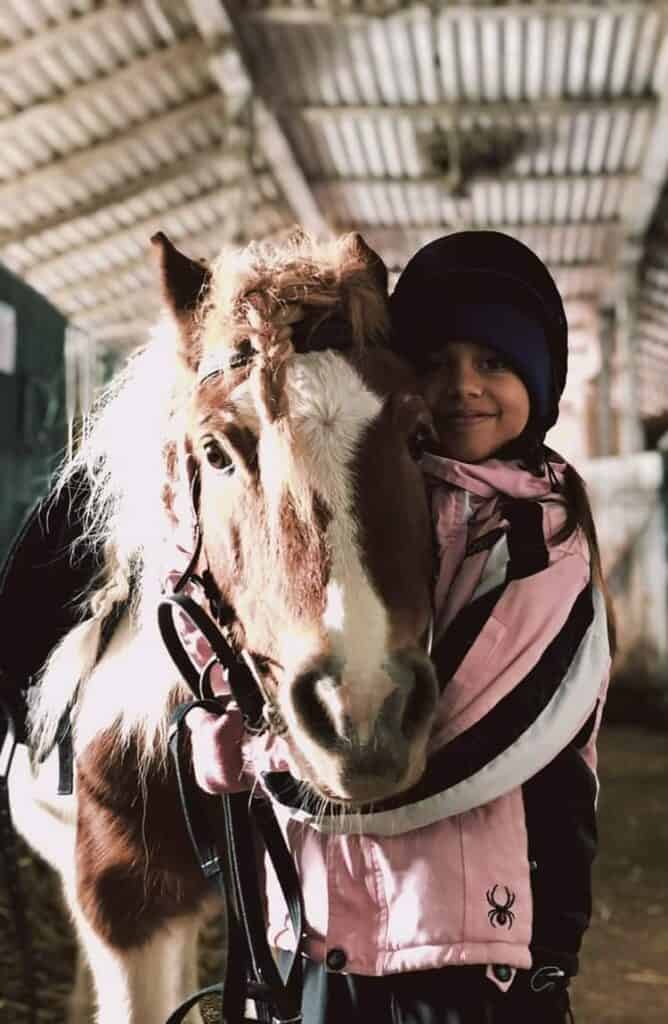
(137, 511)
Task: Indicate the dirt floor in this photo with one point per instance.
(624, 970)
(624, 973)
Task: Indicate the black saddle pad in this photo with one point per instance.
(41, 582)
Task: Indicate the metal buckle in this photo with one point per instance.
(549, 976)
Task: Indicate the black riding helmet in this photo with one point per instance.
(488, 287)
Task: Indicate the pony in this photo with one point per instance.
(267, 426)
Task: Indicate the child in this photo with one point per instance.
(472, 910)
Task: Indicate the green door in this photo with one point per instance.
(33, 430)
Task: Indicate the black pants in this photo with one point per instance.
(453, 995)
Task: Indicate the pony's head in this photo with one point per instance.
(310, 500)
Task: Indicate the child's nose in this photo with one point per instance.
(465, 380)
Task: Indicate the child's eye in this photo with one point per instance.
(494, 363)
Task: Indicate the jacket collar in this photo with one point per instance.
(492, 477)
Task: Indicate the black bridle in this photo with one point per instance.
(251, 971)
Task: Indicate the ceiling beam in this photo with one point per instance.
(426, 232)
(71, 266)
(658, 297)
(65, 32)
(335, 13)
(649, 314)
(584, 276)
(189, 50)
(140, 304)
(367, 181)
(228, 162)
(231, 68)
(656, 360)
(579, 280)
(211, 19)
(469, 109)
(56, 175)
(652, 338)
(137, 273)
(639, 205)
(122, 332)
(657, 276)
(289, 174)
(642, 197)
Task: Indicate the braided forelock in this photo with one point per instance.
(259, 280)
(249, 288)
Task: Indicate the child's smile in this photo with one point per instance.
(478, 402)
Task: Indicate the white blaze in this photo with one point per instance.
(330, 410)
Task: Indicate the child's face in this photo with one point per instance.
(477, 401)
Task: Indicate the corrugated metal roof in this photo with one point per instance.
(533, 118)
(216, 120)
(112, 126)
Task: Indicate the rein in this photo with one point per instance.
(251, 972)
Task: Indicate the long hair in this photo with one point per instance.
(579, 516)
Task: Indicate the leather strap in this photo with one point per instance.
(233, 874)
(251, 968)
(242, 681)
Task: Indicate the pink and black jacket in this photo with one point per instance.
(487, 860)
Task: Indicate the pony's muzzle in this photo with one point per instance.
(360, 748)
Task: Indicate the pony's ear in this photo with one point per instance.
(364, 280)
(184, 284)
(357, 249)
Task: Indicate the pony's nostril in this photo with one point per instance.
(393, 711)
(315, 701)
(420, 703)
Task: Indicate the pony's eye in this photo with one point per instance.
(216, 456)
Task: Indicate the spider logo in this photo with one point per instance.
(500, 914)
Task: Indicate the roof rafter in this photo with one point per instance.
(118, 280)
(336, 14)
(123, 333)
(25, 121)
(58, 173)
(272, 139)
(643, 197)
(469, 109)
(228, 161)
(109, 315)
(140, 232)
(289, 174)
(65, 32)
(531, 228)
(477, 179)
